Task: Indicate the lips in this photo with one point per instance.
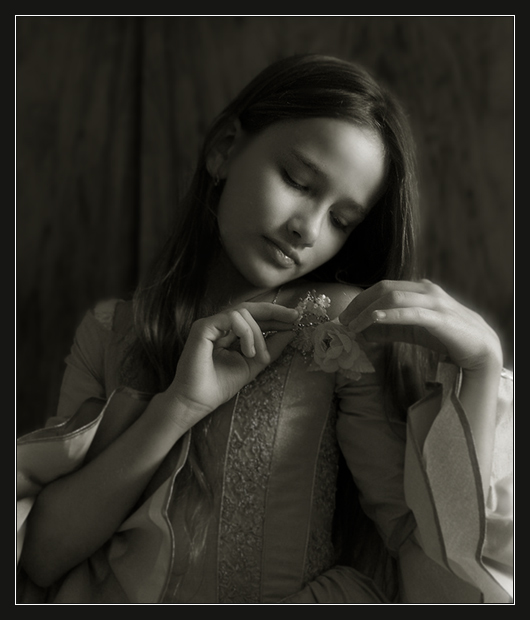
(282, 254)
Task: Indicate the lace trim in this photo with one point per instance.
(247, 471)
(320, 550)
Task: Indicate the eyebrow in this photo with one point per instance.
(319, 172)
(306, 162)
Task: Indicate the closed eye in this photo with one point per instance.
(290, 181)
(339, 223)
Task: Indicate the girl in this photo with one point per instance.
(222, 438)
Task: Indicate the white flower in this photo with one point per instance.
(336, 350)
(328, 345)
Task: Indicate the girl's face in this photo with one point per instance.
(294, 193)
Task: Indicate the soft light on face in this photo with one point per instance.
(294, 193)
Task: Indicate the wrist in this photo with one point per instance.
(180, 410)
(489, 363)
(487, 374)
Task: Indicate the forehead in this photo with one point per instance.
(349, 157)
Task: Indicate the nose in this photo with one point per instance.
(304, 227)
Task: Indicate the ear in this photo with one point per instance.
(223, 148)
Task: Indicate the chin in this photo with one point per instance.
(269, 282)
(269, 278)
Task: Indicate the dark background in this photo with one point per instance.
(111, 112)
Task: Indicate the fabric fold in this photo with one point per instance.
(134, 564)
(418, 480)
(444, 491)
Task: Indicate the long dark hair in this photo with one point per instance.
(383, 246)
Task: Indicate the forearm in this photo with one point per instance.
(478, 396)
(75, 515)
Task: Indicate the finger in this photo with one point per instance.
(226, 341)
(267, 317)
(273, 349)
(425, 327)
(375, 292)
(411, 334)
(275, 344)
(390, 300)
(258, 342)
(222, 329)
(240, 325)
(265, 311)
(275, 326)
(266, 326)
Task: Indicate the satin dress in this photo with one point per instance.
(271, 456)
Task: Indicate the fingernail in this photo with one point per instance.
(352, 325)
(379, 315)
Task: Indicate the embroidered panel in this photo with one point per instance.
(320, 551)
(247, 478)
(247, 470)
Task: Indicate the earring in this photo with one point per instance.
(216, 180)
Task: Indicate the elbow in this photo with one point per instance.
(43, 559)
(39, 567)
(39, 578)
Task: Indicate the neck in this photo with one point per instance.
(227, 287)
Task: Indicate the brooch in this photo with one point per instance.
(328, 345)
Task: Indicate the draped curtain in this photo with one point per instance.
(111, 112)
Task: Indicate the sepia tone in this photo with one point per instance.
(112, 110)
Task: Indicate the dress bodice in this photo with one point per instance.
(270, 456)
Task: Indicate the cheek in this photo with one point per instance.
(243, 195)
(260, 206)
(235, 207)
(229, 222)
(330, 246)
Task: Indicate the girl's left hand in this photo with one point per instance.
(424, 314)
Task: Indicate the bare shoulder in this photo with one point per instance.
(340, 295)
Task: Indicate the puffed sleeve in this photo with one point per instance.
(85, 373)
(373, 442)
(91, 414)
(63, 444)
(132, 566)
(420, 484)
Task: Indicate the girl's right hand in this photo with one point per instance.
(211, 370)
(209, 373)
